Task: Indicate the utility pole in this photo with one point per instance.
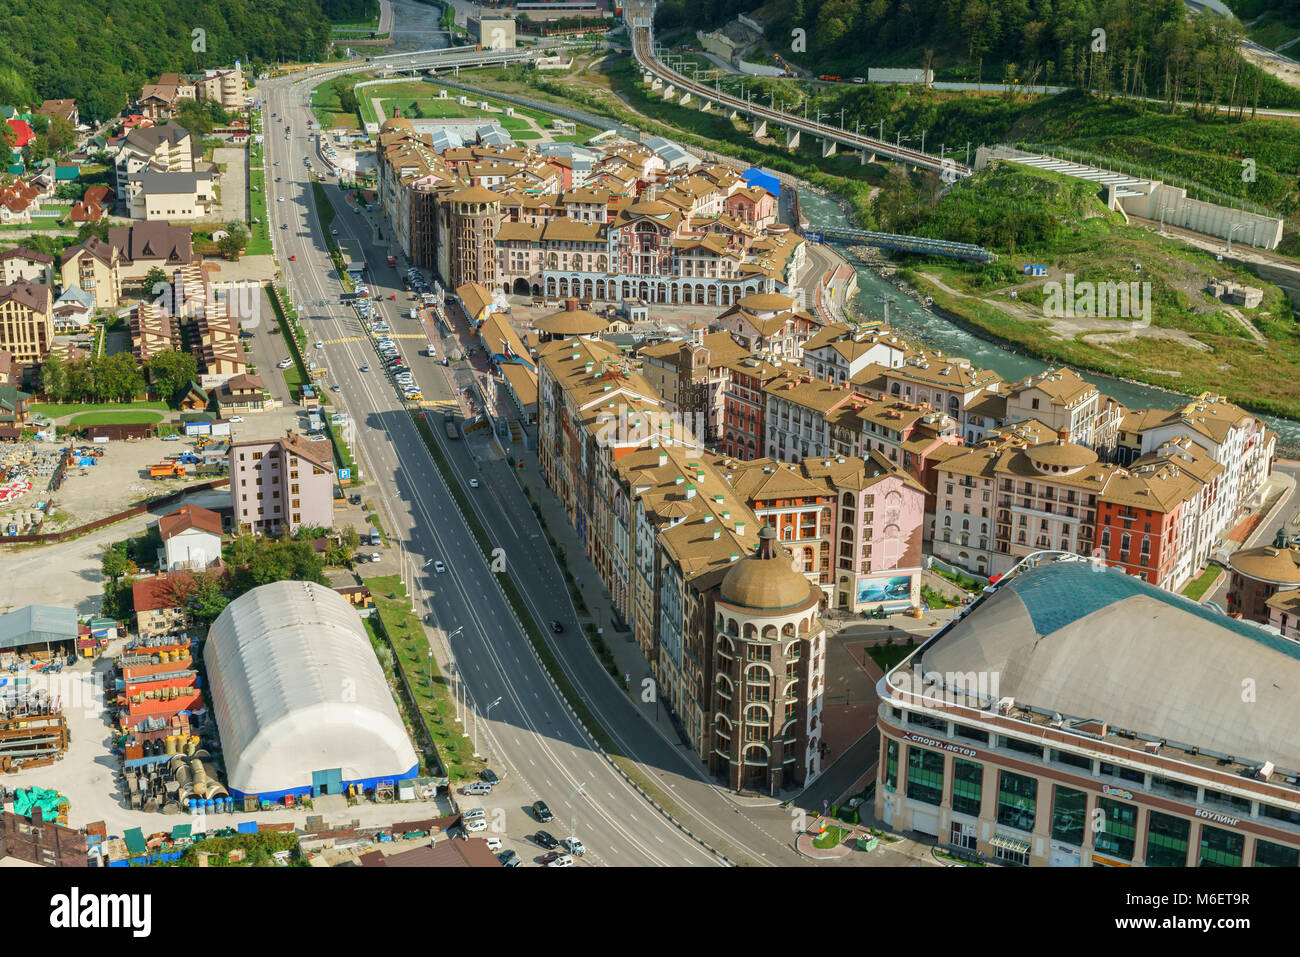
(478, 722)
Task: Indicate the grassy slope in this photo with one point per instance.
(1077, 235)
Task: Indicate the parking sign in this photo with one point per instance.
(345, 474)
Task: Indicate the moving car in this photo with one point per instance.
(542, 812)
(293, 259)
(320, 344)
(541, 837)
(473, 483)
(364, 369)
(556, 626)
(440, 567)
(334, 387)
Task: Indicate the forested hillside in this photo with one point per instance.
(101, 51)
(1148, 47)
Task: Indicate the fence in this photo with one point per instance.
(161, 501)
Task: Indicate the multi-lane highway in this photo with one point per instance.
(530, 729)
(530, 726)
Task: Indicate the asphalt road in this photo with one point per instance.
(530, 730)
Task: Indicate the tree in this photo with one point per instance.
(170, 371)
(117, 377)
(230, 246)
(115, 563)
(203, 596)
(62, 135)
(54, 378)
(156, 277)
(241, 551)
(351, 540)
(98, 229)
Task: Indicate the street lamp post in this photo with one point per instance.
(478, 723)
(1235, 227)
(573, 821)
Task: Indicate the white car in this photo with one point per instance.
(280, 200)
(320, 344)
(473, 483)
(439, 567)
(375, 556)
(473, 813)
(478, 824)
(235, 418)
(574, 846)
(493, 843)
(564, 860)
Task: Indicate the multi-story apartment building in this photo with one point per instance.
(1263, 581)
(1146, 522)
(284, 483)
(535, 234)
(768, 323)
(24, 265)
(156, 149)
(1064, 402)
(942, 382)
(837, 353)
(223, 87)
(26, 321)
(694, 377)
(94, 267)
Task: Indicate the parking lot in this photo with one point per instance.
(507, 811)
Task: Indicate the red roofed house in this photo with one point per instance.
(191, 538)
(159, 603)
(22, 133)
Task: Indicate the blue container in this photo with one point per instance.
(192, 803)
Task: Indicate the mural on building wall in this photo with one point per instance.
(898, 588)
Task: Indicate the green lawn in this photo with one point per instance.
(887, 656)
(1199, 585)
(53, 410)
(259, 240)
(432, 690)
(124, 417)
(833, 837)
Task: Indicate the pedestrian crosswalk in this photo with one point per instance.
(409, 335)
(337, 342)
(438, 403)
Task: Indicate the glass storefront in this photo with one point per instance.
(967, 785)
(891, 765)
(1017, 800)
(1069, 811)
(1220, 848)
(1166, 840)
(924, 775)
(1117, 835)
(1268, 854)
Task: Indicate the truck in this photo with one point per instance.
(449, 425)
(415, 313)
(167, 470)
(188, 458)
(314, 423)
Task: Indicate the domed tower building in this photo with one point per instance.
(769, 673)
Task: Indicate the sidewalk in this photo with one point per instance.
(618, 637)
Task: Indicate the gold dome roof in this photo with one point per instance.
(767, 581)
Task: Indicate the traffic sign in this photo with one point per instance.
(345, 474)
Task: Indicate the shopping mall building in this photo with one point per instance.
(1076, 716)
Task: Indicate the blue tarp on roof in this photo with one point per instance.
(761, 177)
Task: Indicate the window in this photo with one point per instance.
(1174, 788)
(1025, 747)
(1069, 812)
(1124, 774)
(975, 734)
(891, 765)
(1230, 801)
(924, 775)
(1074, 760)
(1166, 840)
(967, 785)
(927, 721)
(1268, 854)
(1280, 814)
(1118, 831)
(1220, 848)
(1017, 800)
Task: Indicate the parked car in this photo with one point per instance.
(488, 775)
(355, 500)
(375, 556)
(509, 859)
(478, 824)
(561, 860)
(574, 845)
(236, 418)
(474, 812)
(542, 838)
(171, 438)
(493, 843)
(478, 787)
(542, 812)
